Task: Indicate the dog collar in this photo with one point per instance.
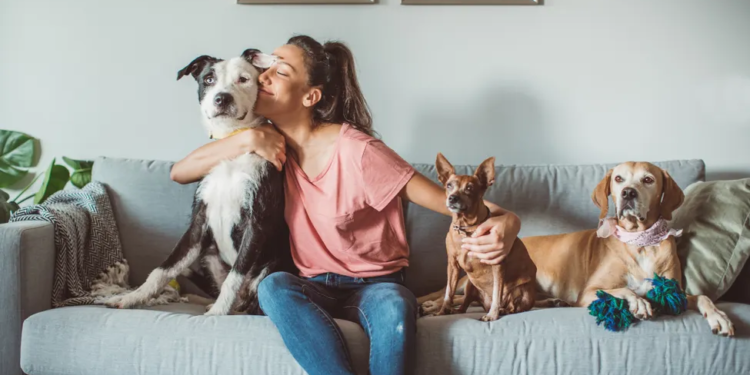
(652, 236)
(211, 136)
(464, 229)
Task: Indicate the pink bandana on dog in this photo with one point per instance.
(649, 237)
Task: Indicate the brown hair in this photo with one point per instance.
(331, 66)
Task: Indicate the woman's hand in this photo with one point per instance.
(493, 239)
(268, 143)
(264, 141)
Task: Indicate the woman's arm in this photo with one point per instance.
(492, 240)
(426, 193)
(264, 141)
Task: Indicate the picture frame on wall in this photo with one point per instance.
(311, 2)
(472, 2)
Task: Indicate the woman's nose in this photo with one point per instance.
(263, 78)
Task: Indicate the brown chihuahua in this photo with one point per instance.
(502, 289)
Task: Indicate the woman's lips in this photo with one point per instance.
(263, 91)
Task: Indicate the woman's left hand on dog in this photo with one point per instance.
(493, 239)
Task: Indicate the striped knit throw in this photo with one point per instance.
(89, 262)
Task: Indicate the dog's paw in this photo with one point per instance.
(125, 301)
(444, 311)
(556, 302)
(216, 310)
(490, 317)
(550, 303)
(640, 308)
(429, 308)
(113, 302)
(720, 323)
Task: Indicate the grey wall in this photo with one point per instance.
(573, 81)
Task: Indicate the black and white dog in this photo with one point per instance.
(237, 229)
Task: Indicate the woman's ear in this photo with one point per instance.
(312, 97)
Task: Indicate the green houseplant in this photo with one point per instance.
(17, 153)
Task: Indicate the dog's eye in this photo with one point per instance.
(450, 186)
(618, 179)
(469, 188)
(209, 80)
(243, 79)
(648, 180)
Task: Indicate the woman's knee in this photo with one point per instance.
(395, 303)
(405, 300)
(274, 285)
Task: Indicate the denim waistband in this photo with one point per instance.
(335, 280)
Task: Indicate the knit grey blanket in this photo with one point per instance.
(89, 262)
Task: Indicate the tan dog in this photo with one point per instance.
(571, 267)
(502, 289)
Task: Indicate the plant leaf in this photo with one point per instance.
(16, 148)
(9, 174)
(72, 163)
(78, 164)
(16, 154)
(81, 177)
(55, 179)
(81, 171)
(5, 207)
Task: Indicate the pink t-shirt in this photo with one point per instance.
(349, 219)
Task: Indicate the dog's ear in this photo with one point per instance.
(600, 196)
(486, 172)
(444, 168)
(672, 196)
(196, 66)
(258, 59)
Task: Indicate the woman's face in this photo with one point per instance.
(283, 87)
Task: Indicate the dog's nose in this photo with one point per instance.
(453, 199)
(223, 99)
(629, 194)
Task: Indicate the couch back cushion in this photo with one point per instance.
(153, 212)
(549, 199)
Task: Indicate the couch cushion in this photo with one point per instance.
(549, 200)
(715, 244)
(175, 339)
(568, 341)
(151, 210)
(171, 339)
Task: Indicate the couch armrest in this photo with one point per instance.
(27, 262)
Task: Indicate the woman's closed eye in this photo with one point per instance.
(281, 73)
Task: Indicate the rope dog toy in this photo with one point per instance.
(666, 297)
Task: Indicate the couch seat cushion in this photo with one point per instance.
(568, 341)
(171, 339)
(177, 339)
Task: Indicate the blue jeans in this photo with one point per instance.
(303, 311)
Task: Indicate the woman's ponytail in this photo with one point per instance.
(331, 66)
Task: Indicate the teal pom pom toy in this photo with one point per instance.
(611, 311)
(666, 297)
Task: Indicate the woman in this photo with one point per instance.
(342, 189)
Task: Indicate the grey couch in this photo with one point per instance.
(152, 212)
